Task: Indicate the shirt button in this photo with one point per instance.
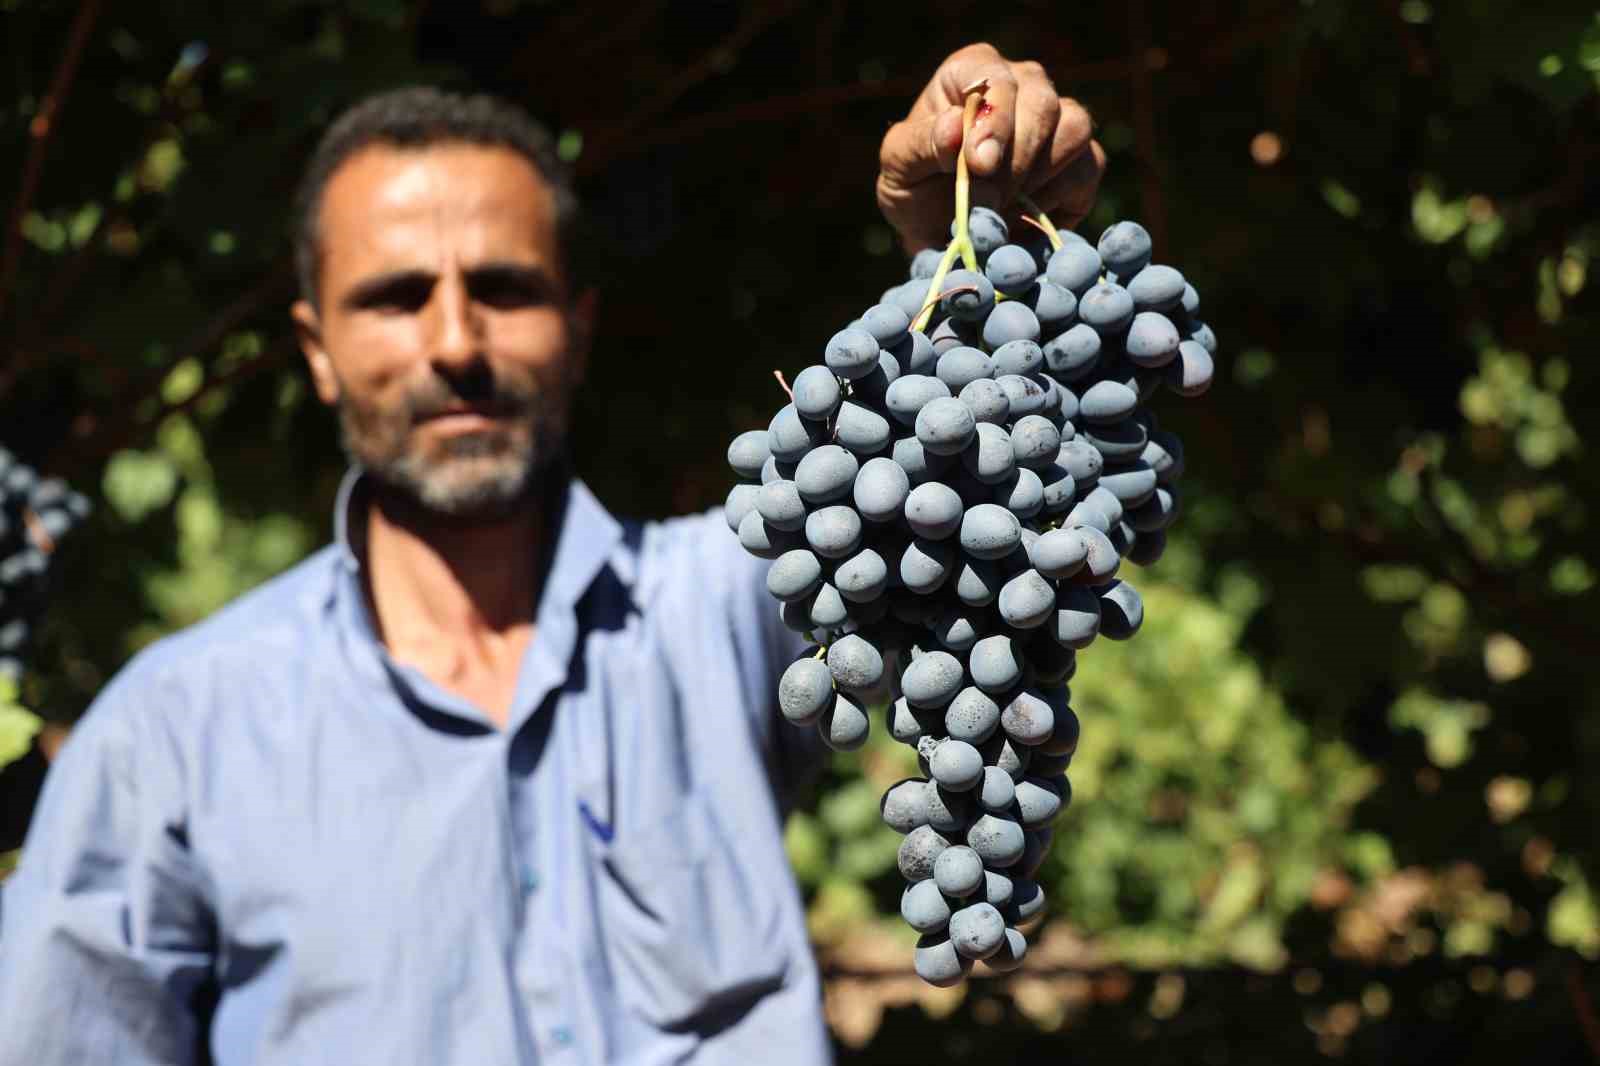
(561, 1036)
(530, 880)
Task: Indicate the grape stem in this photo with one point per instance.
(927, 307)
(926, 314)
(779, 375)
(969, 114)
(37, 533)
(1042, 223)
(961, 243)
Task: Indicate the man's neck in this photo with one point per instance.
(455, 599)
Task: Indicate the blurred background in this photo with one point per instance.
(1331, 804)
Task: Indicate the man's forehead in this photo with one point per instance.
(391, 192)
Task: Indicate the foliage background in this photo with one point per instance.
(1332, 802)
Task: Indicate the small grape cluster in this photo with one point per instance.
(946, 502)
(36, 514)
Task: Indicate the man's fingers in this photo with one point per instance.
(1070, 192)
(992, 132)
(1025, 139)
(995, 127)
(1069, 196)
(1068, 154)
(961, 69)
(1038, 115)
(921, 148)
(1069, 140)
(913, 191)
(927, 142)
(922, 218)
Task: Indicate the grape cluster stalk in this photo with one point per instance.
(36, 514)
(946, 501)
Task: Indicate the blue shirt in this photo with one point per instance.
(269, 842)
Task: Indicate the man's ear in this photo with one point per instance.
(581, 325)
(308, 331)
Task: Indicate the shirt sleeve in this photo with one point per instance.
(794, 755)
(106, 938)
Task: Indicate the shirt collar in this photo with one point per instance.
(585, 541)
(342, 520)
(586, 536)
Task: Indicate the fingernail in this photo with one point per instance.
(988, 154)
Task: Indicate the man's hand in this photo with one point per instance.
(1028, 141)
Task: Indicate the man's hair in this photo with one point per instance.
(421, 117)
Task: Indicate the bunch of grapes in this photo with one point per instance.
(36, 514)
(946, 502)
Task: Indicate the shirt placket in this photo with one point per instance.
(538, 959)
(538, 789)
(560, 1023)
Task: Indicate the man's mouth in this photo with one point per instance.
(464, 412)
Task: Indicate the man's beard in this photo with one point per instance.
(479, 476)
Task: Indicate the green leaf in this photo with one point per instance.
(17, 730)
(137, 483)
(1574, 921)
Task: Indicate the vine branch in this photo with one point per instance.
(1144, 59)
(125, 425)
(40, 133)
(614, 144)
(1583, 1007)
(756, 19)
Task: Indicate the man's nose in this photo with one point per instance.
(458, 323)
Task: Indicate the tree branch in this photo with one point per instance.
(40, 132)
(1416, 54)
(224, 322)
(610, 147)
(33, 347)
(126, 431)
(117, 431)
(1142, 62)
(1499, 590)
(415, 14)
(1583, 1007)
(771, 109)
(601, 39)
(756, 19)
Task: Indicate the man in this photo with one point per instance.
(494, 778)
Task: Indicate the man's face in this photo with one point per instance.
(445, 333)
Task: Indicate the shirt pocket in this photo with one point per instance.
(687, 929)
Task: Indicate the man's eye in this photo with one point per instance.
(508, 292)
(404, 297)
